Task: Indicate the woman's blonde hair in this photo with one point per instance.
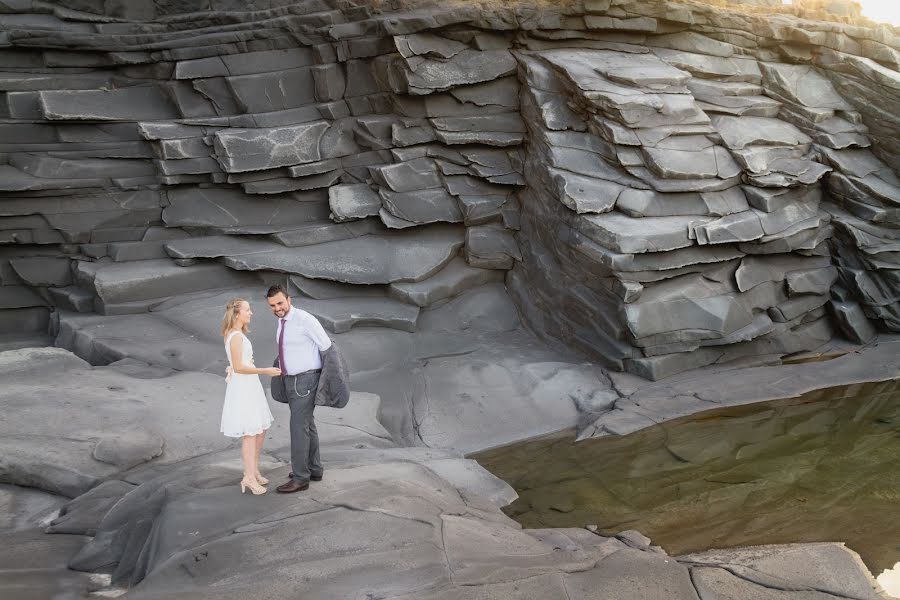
(231, 310)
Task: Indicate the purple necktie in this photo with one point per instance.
(281, 348)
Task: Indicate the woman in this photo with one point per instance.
(246, 412)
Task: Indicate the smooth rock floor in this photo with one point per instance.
(400, 514)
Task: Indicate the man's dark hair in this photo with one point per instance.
(277, 289)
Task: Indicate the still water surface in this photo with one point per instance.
(821, 467)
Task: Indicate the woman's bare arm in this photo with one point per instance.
(237, 363)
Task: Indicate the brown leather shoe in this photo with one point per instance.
(311, 477)
(292, 486)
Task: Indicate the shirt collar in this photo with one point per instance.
(289, 315)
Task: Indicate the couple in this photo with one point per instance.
(308, 371)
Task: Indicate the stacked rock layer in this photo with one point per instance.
(665, 185)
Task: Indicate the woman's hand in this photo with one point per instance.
(271, 371)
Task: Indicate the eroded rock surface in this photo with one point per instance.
(600, 153)
(661, 186)
(164, 529)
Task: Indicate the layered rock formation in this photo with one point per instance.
(385, 522)
(668, 184)
(697, 174)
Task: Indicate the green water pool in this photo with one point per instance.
(821, 467)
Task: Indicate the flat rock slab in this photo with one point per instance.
(637, 70)
(340, 314)
(472, 480)
(319, 232)
(34, 566)
(711, 388)
(217, 246)
(820, 567)
(144, 103)
(118, 283)
(486, 310)
(457, 277)
(407, 176)
(243, 150)
(244, 63)
(28, 508)
(648, 203)
(324, 289)
(739, 132)
(466, 67)
(59, 453)
(632, 574)
(82, 515)
(707, 163)
(859, 162)
(354, 201)
(487, 388)
(491, 247)
(232, 208)
(403, 256)
(20, 296)
(727, 69)
(585, 194)
(422, 206)
(43, 271)
(755, 270)
(627, 235)
(149, 337)
(15, 180)
(803, 84)
(852, 322)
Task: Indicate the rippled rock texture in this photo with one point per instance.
(663, 185)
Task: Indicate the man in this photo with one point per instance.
(300, 339)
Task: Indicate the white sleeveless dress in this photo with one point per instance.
(246, 410)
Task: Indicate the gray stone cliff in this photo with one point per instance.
(662, 185)
(658, 185)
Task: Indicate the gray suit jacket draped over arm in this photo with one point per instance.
(334, 381)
